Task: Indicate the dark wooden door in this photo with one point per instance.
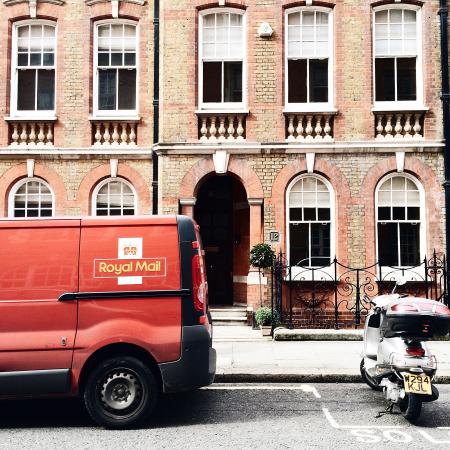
(213, 212)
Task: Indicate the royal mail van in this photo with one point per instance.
(112, 309)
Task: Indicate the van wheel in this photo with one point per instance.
(411, 407)
(121, 392)
(367, 379)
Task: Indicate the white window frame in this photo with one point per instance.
(310, 107)
(228, 106)
(413, 105)
(422, 231)
(123, 113)
(102, 183)
(41, 114)
(18, 185)
(304, 273)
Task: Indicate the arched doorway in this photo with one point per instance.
(223, 213)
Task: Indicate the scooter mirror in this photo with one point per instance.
(401, 281)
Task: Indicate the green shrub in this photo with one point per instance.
(262, 256)
(263, 316)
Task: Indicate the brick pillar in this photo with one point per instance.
(256, 236)
(187, 206)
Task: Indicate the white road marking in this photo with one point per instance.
(335, 425)
(303, 387)
(431, 439)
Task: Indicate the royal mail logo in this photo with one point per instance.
(143, 267)
(130, 251)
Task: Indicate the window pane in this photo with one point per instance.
(381, 16)
(297, 81)
(294, 33)
(130, 59)
(35, 59)
(318, 80)
(310, 214)
(116, 59)
(384, 79)
(48, 59)
(295, 214)
(299, 244)
(127, 89)
(323, 214)
(413, 213)
(409, 244)
(233, 82)
(388, 244)
(384, 213)
(107, 89)
(308, 18)
(46, 90)
(26, 90)
(294, 19)
(129, 30)
(103, 59)
(212, 82)
(406, 79)
(398, 213)
(22, 59)
(320, 244)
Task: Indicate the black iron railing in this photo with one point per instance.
(338, 296)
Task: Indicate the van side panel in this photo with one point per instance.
(38, 262)
(131, 260)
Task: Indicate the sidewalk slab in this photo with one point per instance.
(284, 334)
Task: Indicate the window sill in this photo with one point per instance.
(218, 112)
(307, 109)
(41, 118)
(396, 107)
(124, 118)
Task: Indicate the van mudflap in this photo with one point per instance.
(197, 364)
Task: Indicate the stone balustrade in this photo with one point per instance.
(114, 134)
(309, 127)
(31, 134)
(221, 128)
(399, 125)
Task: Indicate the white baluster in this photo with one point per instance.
(15, 135)
(290, 128)
(32, 136)
(115, 135)
(41, 135)
(299, 129)
(380, 127)
(240, 129)
(408, 127)
(309, 129)
(222, 129)
(124, 134)
(398, 126)
(327, 129)
(49, 136)
(213, 130)
(132, 135)
(106, 134)
(388, 127)
(417, 127)
(203, 130)
(230, 129)
(24, 135)
(318, 128)
(98, 135)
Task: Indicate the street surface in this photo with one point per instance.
(237, 416)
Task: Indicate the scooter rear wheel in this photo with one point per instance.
(367, 379)
(410, 407)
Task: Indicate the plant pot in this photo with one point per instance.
(266, 330)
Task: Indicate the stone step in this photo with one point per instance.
(226, 313)
(229, 322)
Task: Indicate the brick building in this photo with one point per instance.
(317, 120)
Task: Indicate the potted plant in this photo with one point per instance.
(261, 256)
(265, 320)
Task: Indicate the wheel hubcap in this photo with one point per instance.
(120, 390)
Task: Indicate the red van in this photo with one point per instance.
(113, 309)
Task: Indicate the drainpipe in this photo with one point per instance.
(155, 181)
(445, 96)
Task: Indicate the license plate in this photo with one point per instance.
(417, 384)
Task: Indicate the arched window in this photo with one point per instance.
(309, 57)
(115, 68)
(400, 222)
(33, 66)
(114, 197)
(221, 59)
(31, 197)
(310, 211)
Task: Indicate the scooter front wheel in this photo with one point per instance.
(411, 407)
(367, 379)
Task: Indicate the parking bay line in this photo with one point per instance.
(335, 425)
(304, 387)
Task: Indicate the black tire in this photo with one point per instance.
(367, 379)
(410, 407)
(121, 392)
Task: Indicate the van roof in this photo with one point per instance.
(88, 221)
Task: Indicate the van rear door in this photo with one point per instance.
(38, 263)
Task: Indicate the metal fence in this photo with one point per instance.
(338, 296)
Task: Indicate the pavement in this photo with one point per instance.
(244, 356)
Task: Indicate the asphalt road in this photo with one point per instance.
(244, 416)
